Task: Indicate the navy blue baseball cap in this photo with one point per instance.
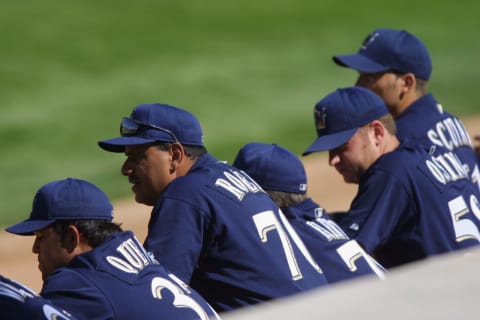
(272, 167)
(155, 122)
(341, 113)
(389, 50)
(68, 199)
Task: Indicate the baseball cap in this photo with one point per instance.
(272, 167)
(68, 199)
(389, 50)
(341, 113)
(153, 122)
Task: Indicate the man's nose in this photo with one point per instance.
(333, 158)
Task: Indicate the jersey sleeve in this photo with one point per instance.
(176, 235)
(381, 206)
(66, 288)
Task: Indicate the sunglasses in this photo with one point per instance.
(130, 127)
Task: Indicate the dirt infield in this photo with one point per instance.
(325, 186)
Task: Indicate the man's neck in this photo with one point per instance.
(406, 102)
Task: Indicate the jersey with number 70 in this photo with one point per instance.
(221, 233)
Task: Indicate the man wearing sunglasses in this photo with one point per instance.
(212, 225)
(396, 65)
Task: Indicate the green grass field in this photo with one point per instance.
(250, 71)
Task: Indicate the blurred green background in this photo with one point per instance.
(250, 71)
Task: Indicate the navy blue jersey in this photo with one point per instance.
(19, 302)
(339, 257)
(412, 204)
(221, 233)
(426, 123)
(119, 280)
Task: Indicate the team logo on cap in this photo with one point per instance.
(370, 38)
(320, 118)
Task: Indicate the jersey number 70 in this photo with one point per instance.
(266, 221)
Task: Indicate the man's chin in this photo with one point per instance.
(349, 179)
(344, 176)
(142, 200)
(137, 192)
(44, 275)
(138, 198)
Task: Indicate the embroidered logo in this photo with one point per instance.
(369, 40)
(303, 187)
(320, 118)
(354, 226)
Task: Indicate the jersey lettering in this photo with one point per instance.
(464, 227)
(298, 242)
(328, 229)
(449, 133)
(133, 257)
(132, 254)
(238, 184)
(476, 176)
(9, 291)
(53, 314)
(181, 299)
(475, 206)
(351, 251)
(447, 167)
(265, 222)
(23, 294)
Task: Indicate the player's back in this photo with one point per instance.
(449, 203)
(119, 280)
(426, 123)
(339, 257)
(445, 205)
(247, 250)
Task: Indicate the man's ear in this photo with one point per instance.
(177, 153)
(409, 82)
(71, 240)
(379, 131)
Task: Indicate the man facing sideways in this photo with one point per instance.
(211, 223)
(92, 268)
(396, 65)
(281, 173)
(412, 202)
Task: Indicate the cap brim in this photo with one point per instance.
(28, 227)
(330, 141)
(360, 63)
(118, 144)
